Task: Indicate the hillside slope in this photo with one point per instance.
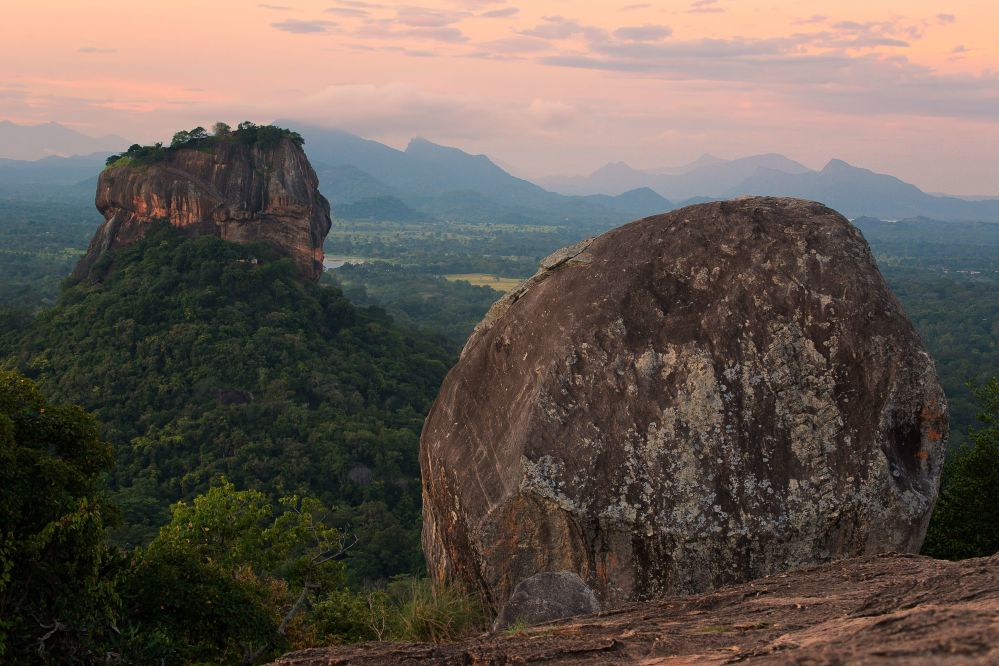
(206, 358)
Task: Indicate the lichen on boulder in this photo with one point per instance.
(693, 399)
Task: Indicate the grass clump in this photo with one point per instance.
(406, 609)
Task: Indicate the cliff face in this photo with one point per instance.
(237, 192)
(690, 400)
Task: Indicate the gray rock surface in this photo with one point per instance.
(546, 597)
(693, 399)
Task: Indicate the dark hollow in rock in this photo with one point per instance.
(546, 597)
(234, 191)
(690, 400)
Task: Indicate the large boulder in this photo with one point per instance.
(225, 188)
(693, 399)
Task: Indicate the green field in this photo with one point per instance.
(483, 280)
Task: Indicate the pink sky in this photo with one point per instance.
(550, 86)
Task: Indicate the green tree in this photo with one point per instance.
(180, 138)
(55, 596)
(965, 521)
(231, 577)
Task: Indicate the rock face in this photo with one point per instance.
(694, 399)
(546, 597)
(889, 609)
(234, 191)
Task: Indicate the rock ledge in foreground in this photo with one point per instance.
(889, 609)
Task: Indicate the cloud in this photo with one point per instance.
(422, 17)
(551, 115)
(817, 69)
(944, 19)
(644, 33)
(349, 12)
(398, 109)
(386, 29)
(516, 45)
(94, 49)
(275, 8)
(960, 48)
(477, 4)
(705, 7)
(450, 35)
(559, 27)
(300, 27)
(632, 8)
(500, 13)
(413, 53)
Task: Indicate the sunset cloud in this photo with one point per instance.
(300, 27)
(705, 7)
(644, 33)
(562, 83)
(500, 13)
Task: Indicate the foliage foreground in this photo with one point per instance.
(233, 578)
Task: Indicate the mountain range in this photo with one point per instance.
(426, 181)
(33, 142)
(852, 190)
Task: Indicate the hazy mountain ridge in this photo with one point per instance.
(434, 181)
(854, 191)
(51, 170)
(32, 142)
(446, 182)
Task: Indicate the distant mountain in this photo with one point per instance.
(640, 202)
(708, 176)
(704, 160)
(427, 181)
(424, 168)
(33, 142)
(613, 178)
(854, 192)
(345, 184)
(51, 170)
(380, 208)
(446, 182)
(851, 190)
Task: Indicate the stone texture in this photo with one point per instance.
(236, 192)
(546, 597)
(693, 399)
(888, 609)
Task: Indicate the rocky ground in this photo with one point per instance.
(901, 609)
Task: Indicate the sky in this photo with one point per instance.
(544, 87)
